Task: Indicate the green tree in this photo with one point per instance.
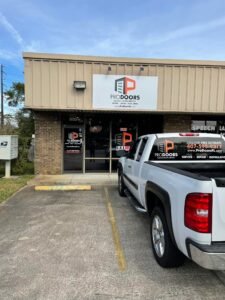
(15, 95)
(24, 128)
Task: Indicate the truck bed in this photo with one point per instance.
(200, 171)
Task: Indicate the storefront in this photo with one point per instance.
(94, 142)
(89, 110)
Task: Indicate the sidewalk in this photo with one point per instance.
(68, 179)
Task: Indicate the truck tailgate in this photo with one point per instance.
(218, 211)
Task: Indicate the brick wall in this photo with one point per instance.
(177, 123)
(48, 143)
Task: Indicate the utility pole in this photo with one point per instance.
(2, 99)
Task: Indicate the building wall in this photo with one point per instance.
(183, 86)
(48, 143)
(177, 123)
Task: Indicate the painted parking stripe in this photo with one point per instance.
(62, 188)
(115, 233)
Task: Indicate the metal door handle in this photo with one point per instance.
(129, 166)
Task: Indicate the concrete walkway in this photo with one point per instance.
(68, 179)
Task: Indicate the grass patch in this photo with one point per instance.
(9, 186)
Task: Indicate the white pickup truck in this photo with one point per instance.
(179, 180)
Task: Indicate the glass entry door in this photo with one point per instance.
(97, 154)
(73, 148)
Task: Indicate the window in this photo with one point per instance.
(141, 149)
(134, 149)
(188, 148)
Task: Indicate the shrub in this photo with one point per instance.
(21, 165)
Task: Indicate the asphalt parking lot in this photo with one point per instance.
(87, 245)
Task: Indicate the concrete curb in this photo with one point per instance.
(77, 179)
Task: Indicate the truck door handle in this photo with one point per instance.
(129, 166)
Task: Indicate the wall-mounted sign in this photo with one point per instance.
(125, 92)
(211, 126)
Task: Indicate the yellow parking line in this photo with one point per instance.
(62, 188)
(115, 233)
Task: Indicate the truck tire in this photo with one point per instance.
(121, 185)
(165, 252)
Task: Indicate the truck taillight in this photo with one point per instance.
(198, 212)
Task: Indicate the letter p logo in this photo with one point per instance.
(130, 85)
(169, 146)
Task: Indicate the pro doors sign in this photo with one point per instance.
(125, 92)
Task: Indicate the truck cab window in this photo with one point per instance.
(141, 149)
(133, 150)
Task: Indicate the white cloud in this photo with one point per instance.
(187, 31)
(33, 46)
(11, 29)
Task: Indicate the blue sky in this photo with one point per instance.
(187, 29)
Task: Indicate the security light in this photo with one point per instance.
(79, 85)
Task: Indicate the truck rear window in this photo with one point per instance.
(188, 148)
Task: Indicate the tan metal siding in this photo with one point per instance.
(167, 88)
(213, 95)
(54, 85)
(181, 88)
(45, 83)
(175, 86)
(205, 90)
(36, 80)
(70, 75)
(88, 77)
(190, 89)
(221, 90)
(160, 74)
(29, 84)
(198, 89)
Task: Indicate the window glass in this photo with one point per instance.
(142, 147)
(97, 144)
(134, 149)
(123, 135)
(124, 132)
(188, 148)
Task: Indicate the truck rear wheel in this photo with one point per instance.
(121, 185)
(165, 252)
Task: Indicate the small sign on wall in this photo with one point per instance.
(125, 92)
